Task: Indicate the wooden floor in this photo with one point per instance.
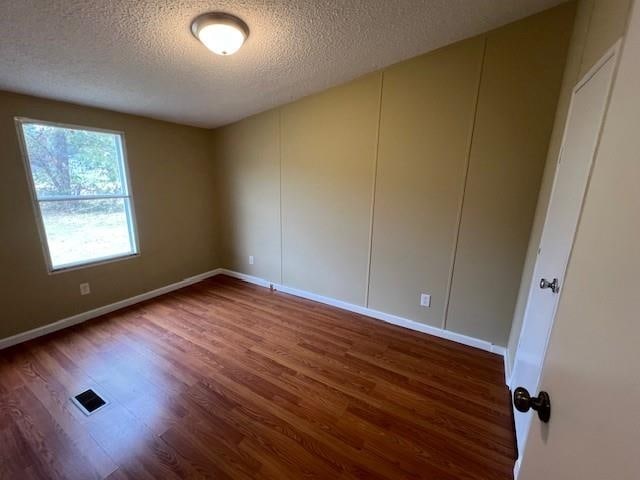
(228, 380)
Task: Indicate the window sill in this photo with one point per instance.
(92, 263)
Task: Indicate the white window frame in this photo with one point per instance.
(127, 195)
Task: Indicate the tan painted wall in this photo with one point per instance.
(328, 147)
(591, 366)
(598, 25)
(518, 97)
(425, 131)
(328, 161)
(172, 183)
(248, 166)
(607, 23)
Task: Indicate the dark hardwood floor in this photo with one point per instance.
(228, 380)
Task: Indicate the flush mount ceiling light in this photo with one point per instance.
(220, 32)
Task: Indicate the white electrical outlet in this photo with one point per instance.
(250, 259)
(425, 300)
(85, 289)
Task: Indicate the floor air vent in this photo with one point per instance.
(89, 402)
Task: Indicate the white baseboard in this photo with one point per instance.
(386, 317)
(507, 368)
(516, 469)
(247, 278)
(96, 312)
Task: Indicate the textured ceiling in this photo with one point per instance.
(138, 56)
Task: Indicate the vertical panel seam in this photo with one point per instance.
(373, 193)
(281, 220)
(464, 188)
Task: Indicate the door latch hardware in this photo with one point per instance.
(554, 286)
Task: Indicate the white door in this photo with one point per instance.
(582, 129)
(591, 368)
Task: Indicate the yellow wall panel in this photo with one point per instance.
(521, 79)
(248, 174)
(328, 154)
(428, 107)
(453, 128)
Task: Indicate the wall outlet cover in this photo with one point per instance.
(425, 300)
(85, 289)
(250, 259)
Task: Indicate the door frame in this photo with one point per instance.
(613, 52)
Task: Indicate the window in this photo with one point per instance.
(79, 183)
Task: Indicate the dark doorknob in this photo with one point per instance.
(541, 404)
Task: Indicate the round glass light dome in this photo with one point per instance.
(221, 33)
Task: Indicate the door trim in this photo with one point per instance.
(613, 52)
(611, 55)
